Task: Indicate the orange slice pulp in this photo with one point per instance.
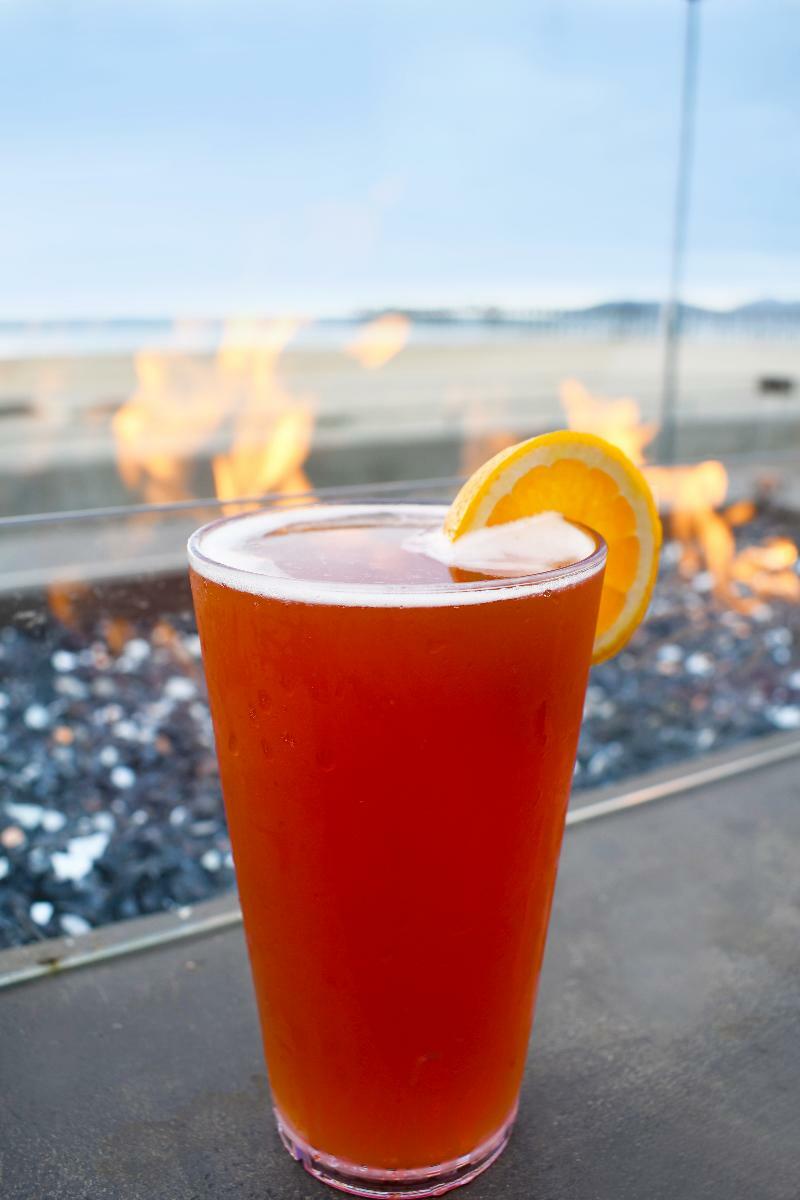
(589, 481)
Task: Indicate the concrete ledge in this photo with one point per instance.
(665, 1061)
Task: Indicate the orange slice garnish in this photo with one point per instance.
(589, 481)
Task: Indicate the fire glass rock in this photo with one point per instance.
(122, 815)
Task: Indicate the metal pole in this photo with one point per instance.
(669, 384)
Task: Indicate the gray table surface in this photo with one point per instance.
(665, 1062)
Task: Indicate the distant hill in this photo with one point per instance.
(784, 309)
(620, 317)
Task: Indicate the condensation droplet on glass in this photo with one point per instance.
(252, 712)
(264, 701)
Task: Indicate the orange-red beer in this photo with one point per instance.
(396, 750)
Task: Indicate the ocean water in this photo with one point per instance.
(613, 321)
(44, 339)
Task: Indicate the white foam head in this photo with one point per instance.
(233, 552)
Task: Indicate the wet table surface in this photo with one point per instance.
(665, 1062)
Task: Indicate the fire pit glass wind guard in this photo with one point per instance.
(110, 804)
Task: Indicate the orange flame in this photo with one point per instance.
(175, 409)
(117, 631)
(272, 430)
(689, 489)
(65, 599)
(693, 498)
(379, 341)
(235, 404)
(768, 570)
(740, 513)
(618, 421)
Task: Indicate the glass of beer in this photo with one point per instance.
(396, 739)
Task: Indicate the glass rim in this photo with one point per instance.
(539, 580)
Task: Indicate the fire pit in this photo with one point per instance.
(111, 805)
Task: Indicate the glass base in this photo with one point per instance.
(408, 1183)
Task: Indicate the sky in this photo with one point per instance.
(191, 157)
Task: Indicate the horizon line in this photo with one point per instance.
(461, 311)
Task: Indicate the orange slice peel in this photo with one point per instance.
(588, 481)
